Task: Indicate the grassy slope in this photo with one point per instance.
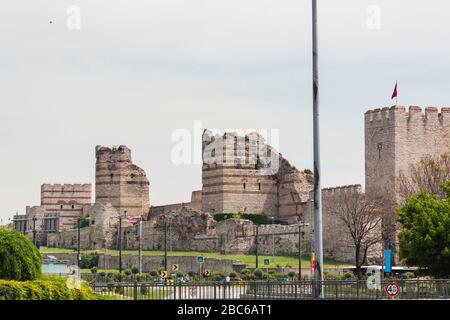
(247, 259)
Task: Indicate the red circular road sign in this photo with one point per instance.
(392, 289)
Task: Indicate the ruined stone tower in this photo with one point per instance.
(244, 174)
(395, 139)
(119, 182)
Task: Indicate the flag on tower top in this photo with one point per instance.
(395, 94)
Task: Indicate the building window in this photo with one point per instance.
(244, 185)
(61, 206)
(259, 186)
(132, 175)
(112, 175)
(73, 207)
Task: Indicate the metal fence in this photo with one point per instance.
(304, 290)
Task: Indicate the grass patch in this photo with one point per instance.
(250, 260)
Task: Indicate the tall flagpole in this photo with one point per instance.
(318, 270)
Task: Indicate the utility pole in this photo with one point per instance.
(300, 251)
(318, 271)
(140, 244)
(120, 244)
(79, 242)
(34, 230)
(257, 245)
(165, 245)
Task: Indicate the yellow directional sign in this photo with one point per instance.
(163, 274)
(206, 273)
(175, 267)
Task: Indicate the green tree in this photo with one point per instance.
(425, 235)
(19, 258)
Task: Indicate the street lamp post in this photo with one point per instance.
(257, 245)
(120, 244)
(79, 242)
(140, 244)
(318, 270)
(165, 245)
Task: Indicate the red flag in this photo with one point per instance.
(394, 94)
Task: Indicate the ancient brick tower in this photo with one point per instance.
(244, 174)
(66, 199)
(119, 182)
(395, 139)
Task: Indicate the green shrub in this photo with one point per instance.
(349, 275)
(153, 273)
(307, 171)
(256, 218)
(51, 289)
(233, 275)
(291, 274)
(94, 270)
(180, 274)
(409, 275)
(135, 270)
(245, 271)
(89, 260)
(127, 272)
(84, 221)
(272, 272)
(258, 273)
(110, 275)
(19, 258)
(102, 274)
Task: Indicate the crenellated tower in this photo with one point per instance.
(395, 139)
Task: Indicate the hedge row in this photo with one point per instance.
(256, 218)
(48, 289)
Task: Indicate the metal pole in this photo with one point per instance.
(165, 245)
(300, 251)
(34, 230)
(79, 242)
(318, 274)
(140, 245)
(273, 244)
(257, 244)
(120, 244)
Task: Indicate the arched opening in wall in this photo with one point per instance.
(259, 185)
(235, 147)
(73, 207)
(61, 206)
(112, 175)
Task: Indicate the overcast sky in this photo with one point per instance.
(138, 70)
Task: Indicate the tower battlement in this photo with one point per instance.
(430, 117)
(114, 154)
(47, 187)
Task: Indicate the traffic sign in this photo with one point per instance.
(163, 274)
(175, 267)
(206, 273)
(392, 289)
(266, 262)
(200, 259)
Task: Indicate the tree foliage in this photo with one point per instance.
(428, 174)
(425, 234)
(19, 258)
